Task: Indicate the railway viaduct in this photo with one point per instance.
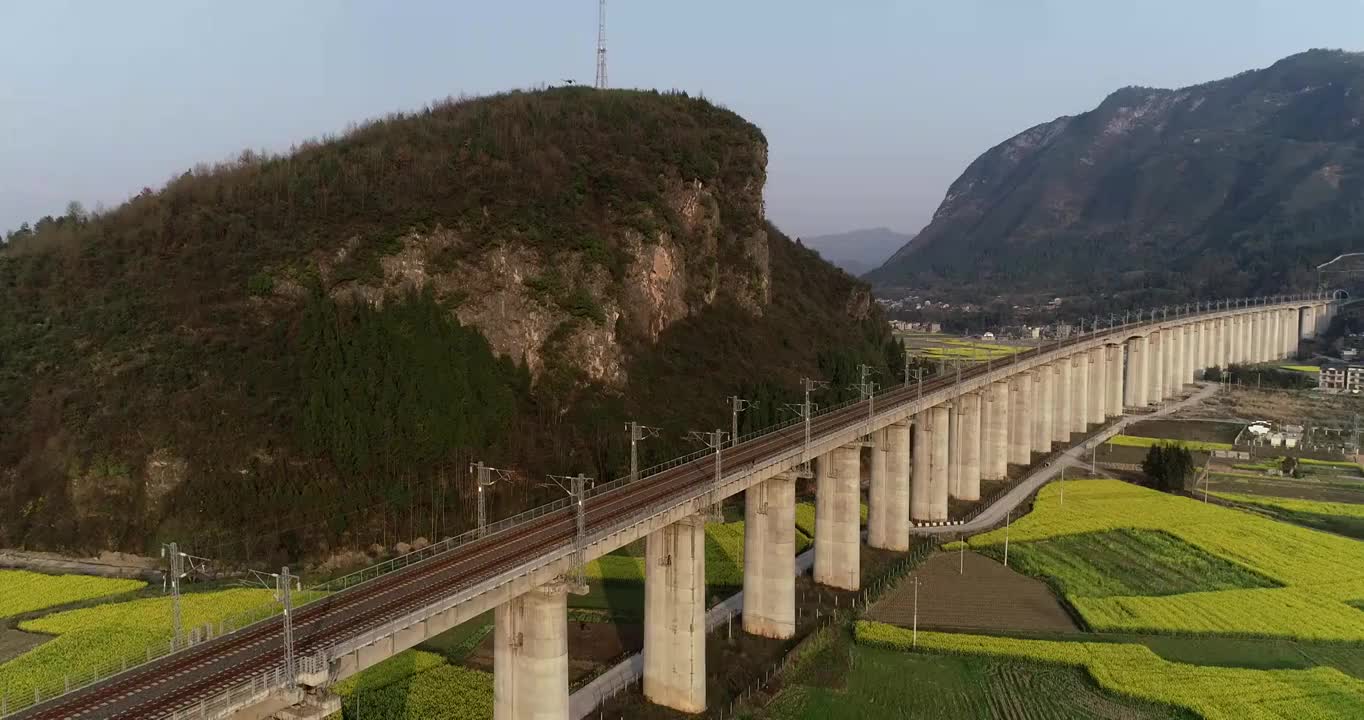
(929, 442)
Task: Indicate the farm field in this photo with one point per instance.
(1138, 441)
(950, 598)
(1127, 562)
(1196, 430)
(1343, 518)
(24, 592)
(875, 687)
(1318, 573)
(946, 347)
(101, 638)
(416, 685)
(1133, 671)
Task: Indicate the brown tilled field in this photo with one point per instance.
(1199, 430)
(987, 596)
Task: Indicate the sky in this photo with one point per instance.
(871, 108)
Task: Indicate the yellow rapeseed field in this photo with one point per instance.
(1320, 572)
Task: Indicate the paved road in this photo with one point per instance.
(1076, 456)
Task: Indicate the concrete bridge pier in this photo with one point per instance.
(888, 505)
(1134, 390)
(1043, 399)
(1186, 368)
(877, 487)
(922, 461)
(838, 518)
(770, 553)
(966, 485)
(1171, 370)
(995, 441)
(1020, 419)
(530, 656)
(675, 615)
(1233, 341)
(1114, 373)
(1257, 337)
(1060, 424)
(1079, 392)
(1224, 343)
(1097, 401)
(1155, 364)
(939, 459)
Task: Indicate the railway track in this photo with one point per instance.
(180, 681)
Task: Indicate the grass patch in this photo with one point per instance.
(1127, 562)
(23, 592)
(1303, 368)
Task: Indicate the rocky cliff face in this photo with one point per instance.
(1233, 186)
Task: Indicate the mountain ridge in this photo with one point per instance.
(1176, 193)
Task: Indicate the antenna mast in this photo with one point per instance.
(601, 45)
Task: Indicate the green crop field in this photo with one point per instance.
(1193, 445)
(805, 518)
(1127, 562)
(889, 684)
(23, 592)
(415, 685)
(1317, 573)
(101, 638)
(1343, 518)
(1134, 671)
(1303, 368)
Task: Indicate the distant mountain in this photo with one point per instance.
(1230, 187)
(859, 250)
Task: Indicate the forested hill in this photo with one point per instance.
(285, 356)
(1233, 187)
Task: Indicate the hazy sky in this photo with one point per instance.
(871, 107)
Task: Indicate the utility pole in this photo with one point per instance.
(914, 642)
(736, 406)
(576, 486)
(714, 439)
(1007, 516)
(285, 584)
(286, 599)
(483, 475)
(638, 432)
(175, 572)
(807, 408)
(866, 389)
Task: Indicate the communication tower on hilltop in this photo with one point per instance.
(601, 45)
